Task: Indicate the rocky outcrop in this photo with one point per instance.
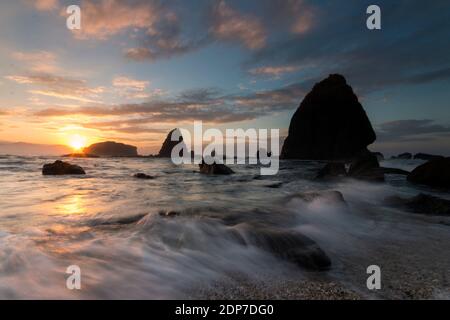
(423, 204)
(366, 167)
(425, 156)
(379, 156)
(434, 173)
(143, 176)
(215, 169)
(111, 149)
(61, 168)
(330, 124)
(168, 145)
(404, 156)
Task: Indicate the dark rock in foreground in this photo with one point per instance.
(292, 247)
(425, 156)
(434, 173)
(215, 168)
(111, 149)
(330, 124)
(168, 145)
(424, 204)
(61, 168)
(404, 156)
(379, 156)
(143, 176)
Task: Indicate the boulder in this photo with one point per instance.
(366, 167)
(168, 145)
(423, 203)
(330, 197)
(425, 156)
(215, 169)
(330, 124)
(290, 246)
(143, 176)
(434, 173)
(332, 170)
(111, 149)
(404, 156)
(61, 168)
(379, 156)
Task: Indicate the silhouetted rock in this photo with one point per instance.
(215, 168)
(143, 176)
(423, 203)
(293, 247)
(332, 170)
(111, 149)
(405, 156)
(366, 167)
(61, 168)
(168, 145)
(330, 124)
(434, 173)
(169, 214)
(425, 156)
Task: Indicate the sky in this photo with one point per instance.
(139, 68)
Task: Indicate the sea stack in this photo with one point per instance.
(168, 145)
(330, 124)
(111, 149)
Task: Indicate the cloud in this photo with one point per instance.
(45, 5)
(411, 130)
(274, 71)
(207, 105)
(58, 86)
(231, 25)
(105, 18)
(133, 89)
(37, 61)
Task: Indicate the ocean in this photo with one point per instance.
(182, 235)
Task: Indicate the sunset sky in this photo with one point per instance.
(139, 68)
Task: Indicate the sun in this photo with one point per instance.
(77, 142)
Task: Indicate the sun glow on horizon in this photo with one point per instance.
(77, 142)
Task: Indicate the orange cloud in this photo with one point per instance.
(45, 5)
(231, 25)
(273, 71)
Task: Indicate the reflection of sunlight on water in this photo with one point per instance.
(73, 205)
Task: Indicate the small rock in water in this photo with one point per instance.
(423, 203)
(143, 176)
(275, 185)
(332, 170)
(328, 196)
(366, 167)
(61, 168)
(434, 173)
(169, 214)
(215, 168)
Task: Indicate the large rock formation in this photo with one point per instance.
(168, 145)
(330, 124)
(434, 173)
(59, 167)
(111, 149)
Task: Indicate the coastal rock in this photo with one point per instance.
(111, 149)
(291, 246)
(330, 196)
(330, 124)
(168, 145)
(61, 168)
(366, 167)
(434, 173)
(379, 156)
(404, 156)
(143, 176)
(425, 156)
(424, 204)
(215, 169)
(332, 170)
